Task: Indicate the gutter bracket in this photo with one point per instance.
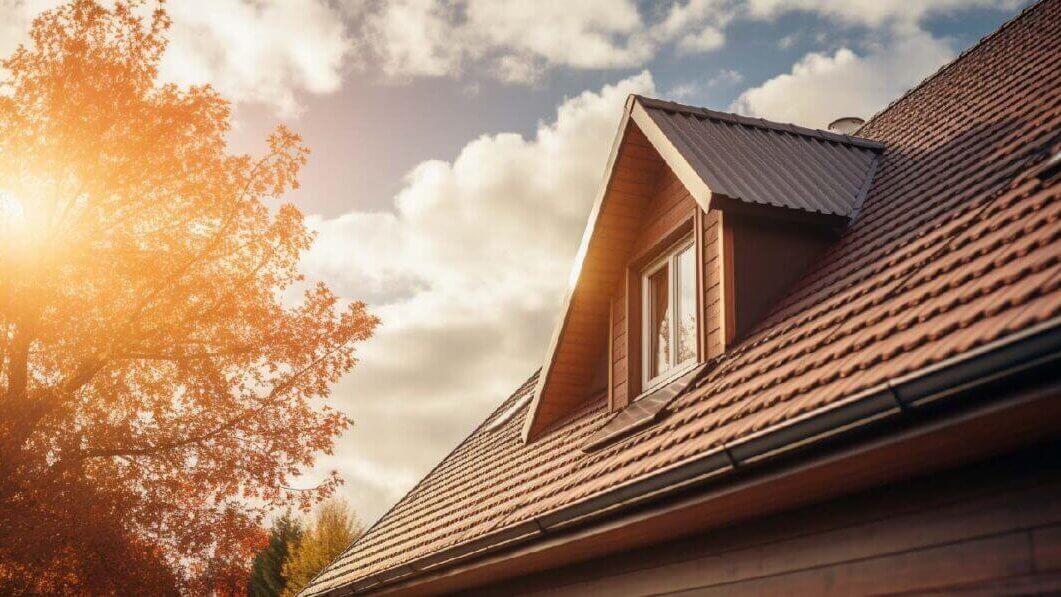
(541, 527)
(729, 455)
(894, 393)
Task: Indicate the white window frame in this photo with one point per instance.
(669, 258)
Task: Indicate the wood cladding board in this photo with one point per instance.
(670, 205)
(667, 208)
(768, 258)
(711, 317)
(987, 527)
(587, 330)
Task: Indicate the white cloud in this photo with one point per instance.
(822, 87)
(517, 41)
(726, 76)
(696, 90)
(257, 51)
(586, 34)
(519, 69)
(696, 24)
(873, 13)
(415, 38)
(467, 272)
(15, 18)
(261, 51)
(709, 38)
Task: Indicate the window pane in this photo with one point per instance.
(659, 321)
(686, 316)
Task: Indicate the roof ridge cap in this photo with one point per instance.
(944, 67)
(759, 123)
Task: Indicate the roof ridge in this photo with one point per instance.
(760, 123)
(945, 67)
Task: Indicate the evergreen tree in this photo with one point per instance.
(267, 571)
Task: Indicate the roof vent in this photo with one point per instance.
(846, 125)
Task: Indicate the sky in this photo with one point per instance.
(458, 145)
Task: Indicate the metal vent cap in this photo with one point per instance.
(846, 125)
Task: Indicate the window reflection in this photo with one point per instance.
(686, 311)
(659, 321)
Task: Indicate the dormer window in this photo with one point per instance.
(668, 314)
(752, 205)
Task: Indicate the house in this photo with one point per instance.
(793, 361)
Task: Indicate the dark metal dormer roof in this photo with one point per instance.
(768, 163)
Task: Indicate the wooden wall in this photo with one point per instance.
(584, 337)
(768, 258)
(993, 527)
(670, 206)
(714, 342)
(670, 215)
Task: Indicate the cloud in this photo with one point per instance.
(515, 39)
(258, 51)
(586, 34)
(468, 273)
(696, 90)
(726, 76)
(413, 38)
(873, 13)
(15, 19)
(822, 87)
(697, 25)
(709, 38)
(518, 41)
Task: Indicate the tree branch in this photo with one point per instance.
(229, 423)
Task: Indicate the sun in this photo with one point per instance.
(12, 214)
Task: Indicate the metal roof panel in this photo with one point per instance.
(768, 163)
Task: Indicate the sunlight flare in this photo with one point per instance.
(12, 214)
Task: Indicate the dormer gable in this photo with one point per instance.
(703, 221)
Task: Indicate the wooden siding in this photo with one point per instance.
(584, 339)
(670, 211)
(991, 527)
(669, 206)
(712, 315)
(767, 258)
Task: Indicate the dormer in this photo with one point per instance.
(704, 220)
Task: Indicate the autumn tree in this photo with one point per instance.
(162, 376)
(267, 577)
(333, 528)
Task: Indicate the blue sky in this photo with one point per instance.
(458, 145)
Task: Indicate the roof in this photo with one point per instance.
(768, 163)
(957, 247)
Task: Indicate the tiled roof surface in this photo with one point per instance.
(758, 161)
(956, 246)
